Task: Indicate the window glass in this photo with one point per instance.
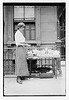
(29, 12)
(15, 27)
(27, 35)
(32, 26)
(27, 26)
(18, 12)
(32, 34)
(30, 31)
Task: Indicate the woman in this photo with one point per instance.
(21, 62)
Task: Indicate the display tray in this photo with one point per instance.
(42, 75)
(47, 75)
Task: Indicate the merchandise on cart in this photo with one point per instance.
(42, 53)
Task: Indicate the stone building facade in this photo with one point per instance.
(44, 25)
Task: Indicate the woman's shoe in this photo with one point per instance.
(19, 80)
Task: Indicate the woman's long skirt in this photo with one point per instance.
(21, 68)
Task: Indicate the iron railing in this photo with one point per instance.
(9, 61)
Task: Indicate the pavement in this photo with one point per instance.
(36, 86)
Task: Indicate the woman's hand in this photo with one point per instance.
(25, 44)
(28, 45)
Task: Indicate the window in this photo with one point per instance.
(30, 31)
(25, 14)
(18, 12)
(29, 12)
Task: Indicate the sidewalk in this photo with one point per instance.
(36, 86)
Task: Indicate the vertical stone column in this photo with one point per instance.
(38, 36)
(58, 44)
(58, 41)
(5, 25)
(58, 64)
(58, 29)
(10, 24)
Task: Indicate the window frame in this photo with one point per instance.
(17, 20)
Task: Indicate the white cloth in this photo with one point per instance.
(19, 38)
